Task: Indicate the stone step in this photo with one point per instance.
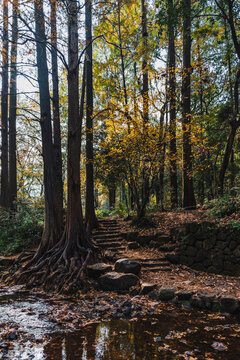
(109, 245)
(167, 248)
(105, 236)
(156, 269)
(108, 222)
(109, 240)
(106, 231)
(117, 249)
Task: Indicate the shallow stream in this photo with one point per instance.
(27, 333)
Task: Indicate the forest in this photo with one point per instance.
(119, 177)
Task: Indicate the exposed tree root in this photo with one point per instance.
(60, 269)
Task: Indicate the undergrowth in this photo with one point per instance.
(21, 230)
(223, 206)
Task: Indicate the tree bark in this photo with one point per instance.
(52, 229)
(75, 231)
(145, 64)
(226, 157)
(90, 216)
(111, 196)
(4, 110)
(13, 111)
(188, 197)
(56, 115)
(172, 104)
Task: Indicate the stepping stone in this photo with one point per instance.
(166, 294)
(96, 270)
(127, 266)
(146, 288)
(184, 295)
(118, 281)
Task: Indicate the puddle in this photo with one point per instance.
(173, 334)
(163, 337)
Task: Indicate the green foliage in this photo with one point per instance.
(224, 206)
(120, 210)
(22, 230)
(235, 224)
(102, 212)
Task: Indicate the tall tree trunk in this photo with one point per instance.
(226, 157)
(162, 140)
(188, 197)
(172, 104)
(4, 110)
(201, 188)
(126, 109)
(13, 111)
(90, 216)
(52, 229)
(145, 64)
(232, 168)
(56, 115)
(235, 121)
(145, 95)
(62, 267)
(111, 196)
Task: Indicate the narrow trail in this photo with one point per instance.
(110, 238)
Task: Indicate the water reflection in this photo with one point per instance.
(166, 337)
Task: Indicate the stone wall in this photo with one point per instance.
(208, 247)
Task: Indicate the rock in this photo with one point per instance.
(172, 258)
(197, 302)
(229, 304)
(13, 335)
(153, 244)
(144, 240)
(233, 244)
(184, 295)
(230, 268)
(127, 312)
(207, 301)
(133, 245)
(130, 236)
(199, 266)
(96, 270)
(237, 251)
(146, 288)
(201, 255)
(117, 281)
(166, 294)
(127, 266)
(153, 295)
